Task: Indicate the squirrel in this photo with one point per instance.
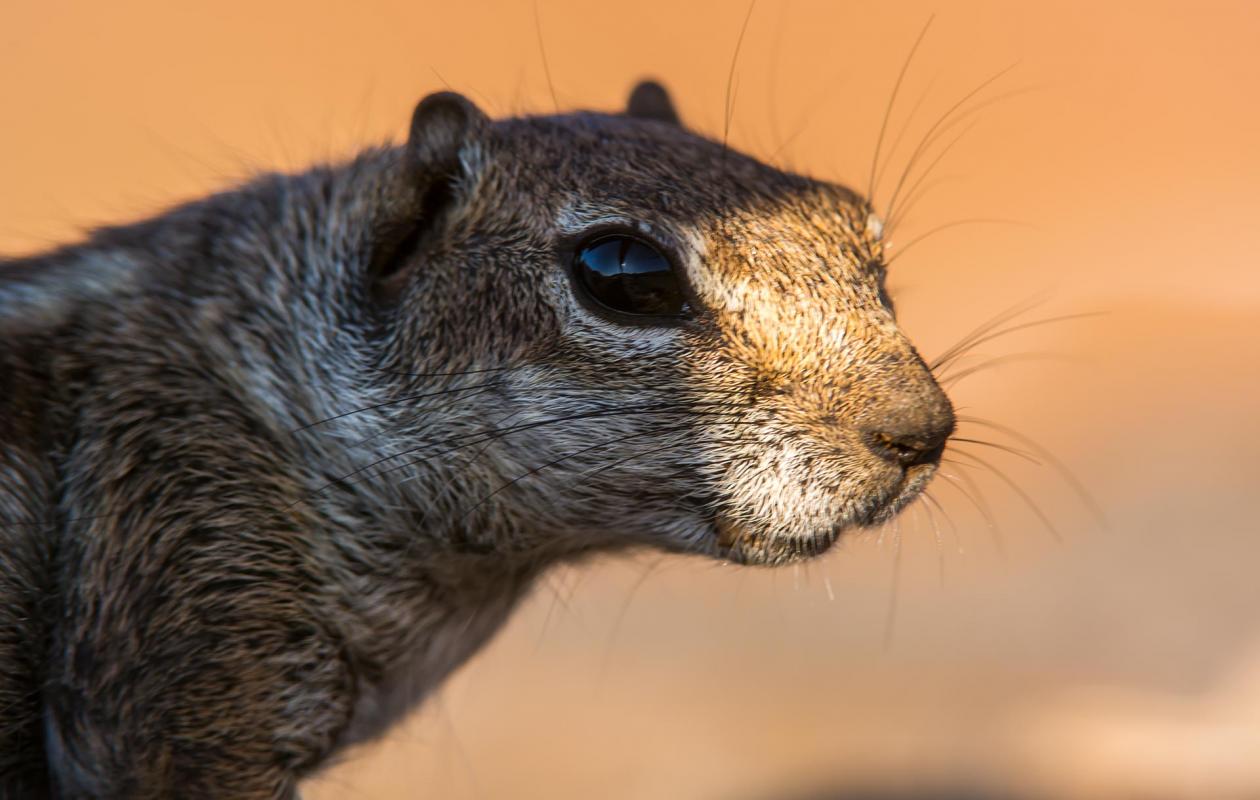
(275, 462)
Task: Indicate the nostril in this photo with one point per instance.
(907, 450)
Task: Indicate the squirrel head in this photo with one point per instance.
(681, 346)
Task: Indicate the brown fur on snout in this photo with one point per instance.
(277, 461)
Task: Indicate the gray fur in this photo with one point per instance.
(273, 463)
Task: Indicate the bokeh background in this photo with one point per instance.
(1117, 170)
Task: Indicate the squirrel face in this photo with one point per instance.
(693, 350)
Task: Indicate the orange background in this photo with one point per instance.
(1123, 661)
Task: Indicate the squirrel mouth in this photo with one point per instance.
(911, 485)
(741, 543)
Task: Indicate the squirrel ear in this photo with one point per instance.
(441, 125)
(649, 100)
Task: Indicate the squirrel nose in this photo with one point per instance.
(909, 450)
(914, 436)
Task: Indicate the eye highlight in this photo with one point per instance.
(628, 276)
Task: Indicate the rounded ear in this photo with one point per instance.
(441, 125)
(649, 100)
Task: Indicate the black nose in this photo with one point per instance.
(905, 418)
(908, 450)
(915, 435)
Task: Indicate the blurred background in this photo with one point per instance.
(1114, 169)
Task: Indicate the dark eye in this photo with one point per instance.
(628, 276)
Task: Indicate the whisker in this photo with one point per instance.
(890, 616)
(555, 462)
(936, 534)
(729, 108)
(621, 613)
(999, 319)
(913, 195)
(389, 403)
(486, 437)
(556, 599)
(948, 520)
(892, 100)
(901, 135)
(988, 337)
(901, 250)
(491, 436)
(469, 460)
(557, 391)
(394, 427)
(804, 118)
(642, 453)
(447, 374)
(542, 51)
(914, 199)
(978, 501)
(928, 137)
(947, 381)
(1023, 495)
(1003, 447)
(575, 453)
(1068, 476)
(959, 118)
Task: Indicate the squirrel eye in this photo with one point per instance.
(628, 276)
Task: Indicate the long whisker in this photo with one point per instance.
(988, 337)
(913, 195)
(484, 437)
(901, 250)
(446, 374)
(913, 200)
(583, 476)
(892, 100)
(556, 599)
(412, 418)
(977, 500)
(542, 51)
(1068, 476)
(1023, 495)
(901, 134)
(928, 137)
(478, 389)
(729, 108)
(948, 520)
(803, 119)
(557, 391)
(949, 380)
(574, 454)
(690, 411)
(936, 535)
(890, 616)
(472, 458)
(642, 453)
(931, 138)
(387, 403)
(999, 319)
(621, 613)
(1004, 448)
